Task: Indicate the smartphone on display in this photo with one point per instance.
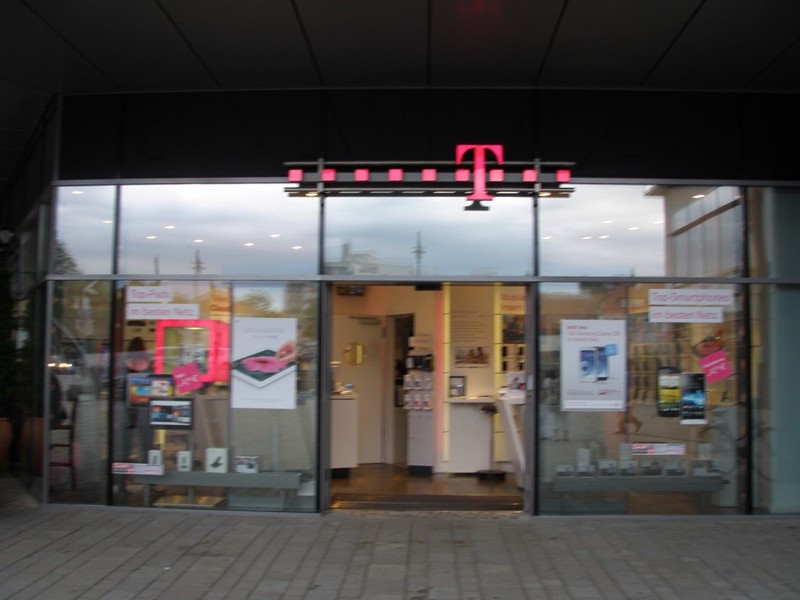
(668, 397)
(693, 398)
(588, 364)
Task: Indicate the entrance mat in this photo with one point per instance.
(426, 502)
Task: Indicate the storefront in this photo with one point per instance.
(606, 352)
(200, 328)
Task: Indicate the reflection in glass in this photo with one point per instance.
(633, 230)
(681, 421)
(278, 431)
(704, 231)
(603, 230)
(217, 229)
(427, 236)
(79, 386)
(84, 230)
(173, 347)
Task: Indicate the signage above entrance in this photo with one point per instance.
(479, 173)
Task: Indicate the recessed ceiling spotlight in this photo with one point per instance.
(198, 241)
(169, 226)
(658, 222)
(248, 244)
(274, 235)
(698, 196)
(77, 192)
(607, 221)
(544, 194)
(151, 237)
(632, 228)
(297, 247)
(107, 222)
(604, 237)
(547, 237)
(586, 237)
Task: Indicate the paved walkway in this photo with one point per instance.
(66, 552)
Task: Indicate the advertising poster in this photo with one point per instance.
(593, 366)
(264, 363)
(471, 337)
(693, 399)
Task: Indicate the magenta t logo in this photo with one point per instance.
(479, 173)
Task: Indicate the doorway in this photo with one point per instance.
(381, 324)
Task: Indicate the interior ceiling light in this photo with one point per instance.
(632, 228)
(248, 244)
(77, 192)
(198, 241)
(107, 222)
(547, 237)
(586, 237)
(698, 196)
(607, 221)
(169, 226)
(274, 235)
(297, 247)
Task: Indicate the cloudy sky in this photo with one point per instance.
(255, 229)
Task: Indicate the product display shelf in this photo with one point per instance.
(704, 486)
(284, 482)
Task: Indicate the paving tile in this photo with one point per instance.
(101, 553)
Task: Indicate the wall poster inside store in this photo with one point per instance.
(264, 363)
(593, 366)
(471, 337)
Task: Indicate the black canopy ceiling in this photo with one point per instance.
(621, 79)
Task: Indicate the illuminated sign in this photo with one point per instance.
(478, 173)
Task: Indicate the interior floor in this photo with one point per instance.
(389, 487)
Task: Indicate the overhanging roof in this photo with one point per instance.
(54, 47)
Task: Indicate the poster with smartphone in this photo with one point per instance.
(693, 399)
(593, 366)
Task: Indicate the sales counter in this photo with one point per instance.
(470, 434)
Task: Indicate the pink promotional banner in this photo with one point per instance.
(716, 366)
(187, 378)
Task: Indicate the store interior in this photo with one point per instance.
(399, 440)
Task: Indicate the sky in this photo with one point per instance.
(257, 229)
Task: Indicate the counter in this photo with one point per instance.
(344, 432)
(470, 434)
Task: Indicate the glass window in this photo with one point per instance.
(710, 243)
(608, 230)
(427, 236)
(79, 379)
(274, 366)
(244, 229)
(216, 389)
(84, 230)
(639, 403)
(603, 230)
